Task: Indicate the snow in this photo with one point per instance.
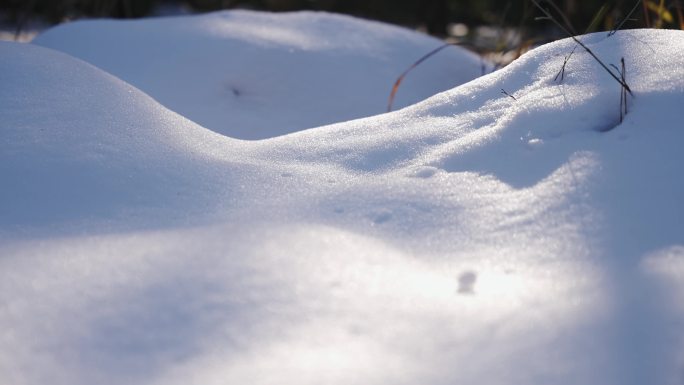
(470, 238)
(232, 71)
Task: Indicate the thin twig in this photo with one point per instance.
(619, 26)
(551, 18)
(623, 92)
(561, 73)
(507, 94)
(562, 15)
(623, 75)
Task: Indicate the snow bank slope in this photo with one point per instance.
(232, 71)
(78, 143)
(472, 238)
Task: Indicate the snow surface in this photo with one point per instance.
(233, 71)
(471, 238)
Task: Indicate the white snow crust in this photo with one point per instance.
(471, 238)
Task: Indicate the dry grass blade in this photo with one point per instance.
(600, 15)
(401, 77)
(664, 16)
(647, 19)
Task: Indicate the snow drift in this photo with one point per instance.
(471, 238)
(233, 71)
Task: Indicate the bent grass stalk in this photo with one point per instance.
(401, 77)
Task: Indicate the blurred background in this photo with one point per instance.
(484, 25)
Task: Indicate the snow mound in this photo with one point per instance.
(232, 71)
(78, 143)
(471, 238)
